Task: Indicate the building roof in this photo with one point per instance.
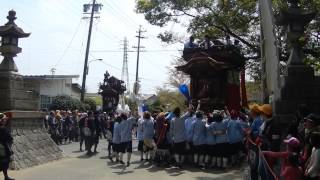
(147, 96)
(51, 76)
(76, 86)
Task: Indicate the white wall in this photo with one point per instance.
(54, 87)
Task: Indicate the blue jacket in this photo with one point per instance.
(210, 137)
(220, 130)
(255, 126)
(177, 129)
(235, 131)
(116, 138)
(148, 129)
(126, 130)
(198, 132)
(140, 129)
(188, 125)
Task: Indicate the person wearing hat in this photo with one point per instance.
(269, 131)
(289, 170)
(6, 141)
(257, 120)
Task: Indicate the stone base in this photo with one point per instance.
(32, 144)
(299, 86)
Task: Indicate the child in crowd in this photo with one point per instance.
(287, 169)
(162, 153)
(210, 144)
(235, 134)
(178, 135)
(116, 139)
(126, 137)
(219, 129)
(312, 171)
(198, 132)
(148, 135)
(293, 171)
(140, 136)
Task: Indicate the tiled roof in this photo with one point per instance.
(50, 76)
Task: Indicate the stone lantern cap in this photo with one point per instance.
(10, 28)
(294, 15)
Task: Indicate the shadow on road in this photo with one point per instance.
(77, 151)
(87, 156)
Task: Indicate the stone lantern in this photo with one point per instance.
(10, 34)
(21, 106)
(295, 19)
(299, 85)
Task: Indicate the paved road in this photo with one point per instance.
(77, 166)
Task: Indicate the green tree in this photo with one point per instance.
(66, 103)
(156, 106)
(170, 99)
(218, 18)
(91, 103)
(132, 104)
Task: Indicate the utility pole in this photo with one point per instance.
(94, 8)
(139, 47)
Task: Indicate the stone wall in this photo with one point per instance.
(14, 95)
(32, 144)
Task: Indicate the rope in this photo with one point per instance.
(249, 140)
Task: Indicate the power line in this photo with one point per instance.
(68, 46)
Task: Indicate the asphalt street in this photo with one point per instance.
(77, 166)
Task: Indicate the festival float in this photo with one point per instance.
(215, 76)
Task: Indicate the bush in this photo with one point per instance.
(91, 104)
(67, 103)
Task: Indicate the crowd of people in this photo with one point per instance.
(212, 140)
(215, 140)
(209, 42)
(66, 127)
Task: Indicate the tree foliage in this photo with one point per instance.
(236, 18)
(169, 99)
(67, 103)
(91, 104)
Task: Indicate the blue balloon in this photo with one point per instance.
(183, 88)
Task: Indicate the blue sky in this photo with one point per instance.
(58, 40)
